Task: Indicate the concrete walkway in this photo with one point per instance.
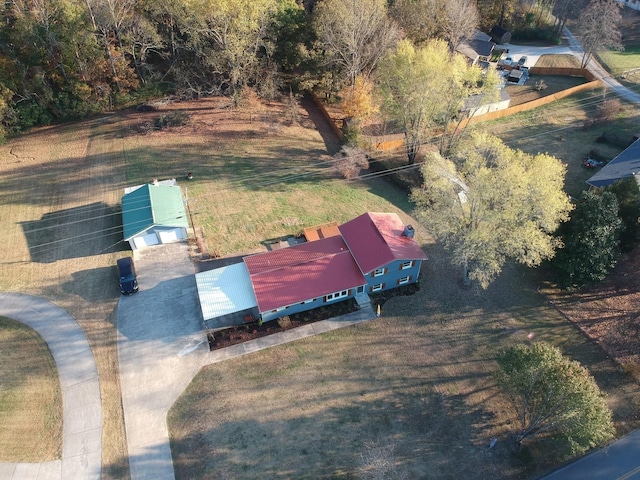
(162, 346)
(82, 407)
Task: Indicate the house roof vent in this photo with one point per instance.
(408, 231)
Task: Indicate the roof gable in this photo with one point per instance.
(377, 239)
(152, 205)
(626, 164)
(302, 272)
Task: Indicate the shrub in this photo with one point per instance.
(173, 119)
(284, 322)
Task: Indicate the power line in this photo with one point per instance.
(587, 102)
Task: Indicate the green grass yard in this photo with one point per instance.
(30, 398)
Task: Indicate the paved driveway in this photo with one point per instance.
(161, 347)
(81, 404)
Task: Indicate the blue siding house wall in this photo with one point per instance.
(392, 275)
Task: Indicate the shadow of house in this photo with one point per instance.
(74, 232)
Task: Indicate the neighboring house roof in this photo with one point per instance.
(225, 290)
(152, 205)
(321, 231)
(626, 164)
(377, 239)
(479, 45)
(500, 35)
(482, 47)
(302, 272)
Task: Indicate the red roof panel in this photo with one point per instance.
(377, 239)
(310, 270)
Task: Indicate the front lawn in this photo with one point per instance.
(30, 397)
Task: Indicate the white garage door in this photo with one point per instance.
(170, 236)
(146, 240)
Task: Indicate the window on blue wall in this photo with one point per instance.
(403, 280)
(406, 265)
(379, 272)
(377, 288)
(335, 296)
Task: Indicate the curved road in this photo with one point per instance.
(82, 407)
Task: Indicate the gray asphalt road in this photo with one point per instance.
(619, 461)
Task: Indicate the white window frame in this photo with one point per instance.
(404, 280)
(332, 297)
(377, 288)
(378, 272)
(406, 265)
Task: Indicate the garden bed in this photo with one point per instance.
(250, 331)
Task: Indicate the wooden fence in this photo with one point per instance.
(569, 72)
(337, 130)
(523, 107)
(387, 143)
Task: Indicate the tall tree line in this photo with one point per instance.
(62, 59)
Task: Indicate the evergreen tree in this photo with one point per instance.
(591, 241)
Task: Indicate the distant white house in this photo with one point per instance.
(474, 105)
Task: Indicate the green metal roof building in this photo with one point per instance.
(154, 214)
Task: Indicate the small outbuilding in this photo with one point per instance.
(477, 105)
(499, 35)
(154, 214)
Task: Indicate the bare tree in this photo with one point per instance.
(599, 30)
(350, 161)
(461, 18)
(564, 10)
(354, 34)
(420, 20)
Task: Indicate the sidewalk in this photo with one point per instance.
(81, 402)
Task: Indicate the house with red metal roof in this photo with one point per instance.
(384, 249)
(304, 276)
(372, 253)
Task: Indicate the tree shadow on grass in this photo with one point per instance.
(415, 429)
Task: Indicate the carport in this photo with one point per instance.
(226, 296)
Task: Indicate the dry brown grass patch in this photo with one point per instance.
(30, 397)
